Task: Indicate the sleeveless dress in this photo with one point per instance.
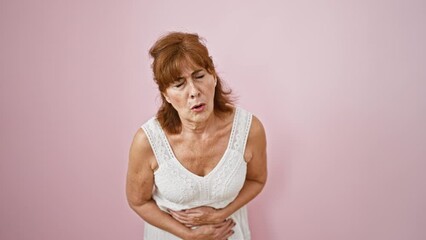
(177, 188)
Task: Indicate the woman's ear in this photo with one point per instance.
(166, 97)
(215, 78)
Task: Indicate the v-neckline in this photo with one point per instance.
(218, 164)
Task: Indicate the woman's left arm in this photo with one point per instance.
(255, 156)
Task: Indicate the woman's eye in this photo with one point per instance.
(200, 76)
(178, 84)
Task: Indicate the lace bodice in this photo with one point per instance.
(177, 188)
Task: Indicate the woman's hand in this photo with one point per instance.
(219, 231)
(198, 216)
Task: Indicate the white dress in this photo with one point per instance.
(177, 188)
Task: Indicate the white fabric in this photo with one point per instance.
(177, 188)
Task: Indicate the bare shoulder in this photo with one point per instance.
(256, 129)
(140, 173)
(141, 153)
(140, 140)
(255, 154)
(256, 141)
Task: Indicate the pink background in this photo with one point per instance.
(339, 85)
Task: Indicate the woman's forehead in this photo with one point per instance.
(186, 73)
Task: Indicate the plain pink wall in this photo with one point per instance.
(339, 85)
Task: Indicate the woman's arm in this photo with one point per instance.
(139, 186)
(255, 155)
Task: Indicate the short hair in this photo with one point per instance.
(171, 53)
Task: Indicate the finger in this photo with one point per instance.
(229, 225)
(187, 221)
(193, 211)
(193, 214)
(181, 219)
(230, 233)
(193, 217)
(180, 213)
(226, 230)
(224, 223)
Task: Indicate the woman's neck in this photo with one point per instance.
(200, 128)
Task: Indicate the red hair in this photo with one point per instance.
(171, 53)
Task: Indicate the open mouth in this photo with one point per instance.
(198, 106)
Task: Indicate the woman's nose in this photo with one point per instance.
(194, 91)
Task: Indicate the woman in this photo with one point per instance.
(194, 167)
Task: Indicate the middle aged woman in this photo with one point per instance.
(194, 167)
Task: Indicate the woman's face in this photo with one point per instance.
(192, 94)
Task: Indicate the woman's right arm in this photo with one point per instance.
(139, 186)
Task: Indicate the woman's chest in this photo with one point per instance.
(200, 156)
(220, 186)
